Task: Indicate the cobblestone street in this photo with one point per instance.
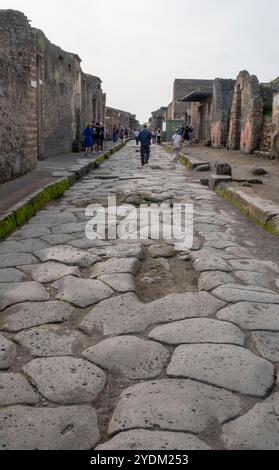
(132, 344)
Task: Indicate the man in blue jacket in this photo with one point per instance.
(145, 140)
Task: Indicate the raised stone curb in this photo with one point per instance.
(25, 209)
(263, 212)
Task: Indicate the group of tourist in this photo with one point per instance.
(146, 137)
(120, 134)
(94, 136)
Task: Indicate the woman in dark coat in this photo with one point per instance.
(88, 139)
(114, 134)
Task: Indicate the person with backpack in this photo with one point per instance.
(145, 140)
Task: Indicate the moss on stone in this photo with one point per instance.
(7, 225)
(24, 213)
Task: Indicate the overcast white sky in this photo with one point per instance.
(139, 47)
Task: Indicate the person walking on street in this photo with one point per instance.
(176, 145)
(186, 135)
(126, 133)
(158, 136)
(145, 140)
(121, 135)
(102, 136)
(136, 134)
(191, 131)
(154, 136)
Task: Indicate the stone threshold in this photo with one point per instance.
(24, 210)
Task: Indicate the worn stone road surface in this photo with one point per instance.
(131, 344)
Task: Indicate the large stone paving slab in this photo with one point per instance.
(141, 439)
(256, 279)
(267, 344)
(10, 260)
(17, 292)
(211, 253)
(212, 279)
(31, 314)
(15, 390)
(173, 405)
(69, 228)
(27, 232)
(50, 340)
(68, 255)
(125, 251)
(50, 271)
(85, 244)
(119, 282)
(7, 353)
(82, 292)
(255, 265)
(199, 330)
(50, 219)
(129, 356)
(256, 430)
(212, 264)
(57, 239)
(11, 275)
(126, 314)
(65, 428)
(231, 367)
(23, 246)
(252, 316)
(66, 380)
(162, 251)
(116, 265)
(239, 293)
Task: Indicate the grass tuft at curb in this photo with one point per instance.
(23, 211)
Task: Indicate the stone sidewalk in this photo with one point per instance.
(47, 171)
(255, 196)
(131, 344)
(21, 198)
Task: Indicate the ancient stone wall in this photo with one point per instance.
(45, 98)
(18, 97)
(92, 102)
(246, 114)
(223, 91)
(181, 88)
(265, 143)
(118, 118)
(275, 127)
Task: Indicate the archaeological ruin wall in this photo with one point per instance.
(246, 114)
(45, 98)
(275, 127)
(223, 90)
(18, 98)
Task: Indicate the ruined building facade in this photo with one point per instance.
(240, 114)
(45, 98)
(119, 118)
